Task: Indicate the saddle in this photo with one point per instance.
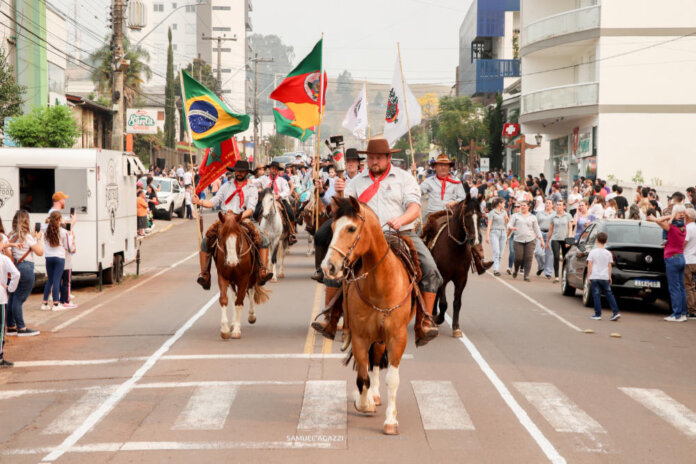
(250, 230)
(405, 250)
(436, 223)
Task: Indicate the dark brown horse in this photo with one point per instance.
(236, 260)
(377, 301)
(451, 249)
(309, 217)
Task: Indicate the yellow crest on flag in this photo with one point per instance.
(206, 117)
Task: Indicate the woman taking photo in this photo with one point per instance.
(495, 233)
(561, 228)
(524, 225)
(28, 246)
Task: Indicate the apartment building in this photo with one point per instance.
(609, 86)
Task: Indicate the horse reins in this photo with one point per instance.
(449, 233)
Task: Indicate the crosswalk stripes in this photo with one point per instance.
(665, 407)
(440, 406)
(207, 409)
(323, 406)
(71, 418)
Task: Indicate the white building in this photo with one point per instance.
(610, 86)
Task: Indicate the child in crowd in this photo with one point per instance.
(66, 280)
(189, 203)
(7, 269)
(142, 213)
(599, 269)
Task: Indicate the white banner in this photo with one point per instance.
(395, 124)
(141, 121)
(356, 117)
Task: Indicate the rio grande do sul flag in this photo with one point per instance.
(283, 121)
(299, 91)
(356, 117)
(209, 119)
(395, 124)
(215, 162)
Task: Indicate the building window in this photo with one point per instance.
(160, 115)
(174, 47)
(190, 8)
(173, 5)
(222, 8)
(158, 7)
(224, 70)
(224, 50)
(222, 29)
(174, 27)
(226, 91)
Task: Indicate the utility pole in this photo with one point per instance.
(473, 152)
(220, 39)
(256, 61)
(119, 68)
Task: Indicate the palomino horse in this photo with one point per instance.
(451, 250)
(271, 223)
(377, 303)
(236, 260)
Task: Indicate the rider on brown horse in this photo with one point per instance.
(394, 196)
(281, 189)
(443, 193)
(238, 197)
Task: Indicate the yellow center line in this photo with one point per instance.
(309, 341)
(327, 346)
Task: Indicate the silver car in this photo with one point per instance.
(171, 197)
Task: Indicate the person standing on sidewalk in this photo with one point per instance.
(690, 261)
(28, 246)
(561, 228)
(495, 232)
(542, 252)
(527, 232)
(7, 269)
(66, 279)
(54, 243)
(599, 269)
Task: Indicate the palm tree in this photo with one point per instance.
(137, 70)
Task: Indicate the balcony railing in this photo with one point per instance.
(565, 96)
(567, 22)
(490, 74)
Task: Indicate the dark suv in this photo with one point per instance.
(638, 267)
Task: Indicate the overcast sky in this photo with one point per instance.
(361, 35)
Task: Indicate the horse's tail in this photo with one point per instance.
(260, 294)
(348, 357)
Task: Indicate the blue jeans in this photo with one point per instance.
(544, 256)
(15, 314)
(498, 245)
(54, 271)
(599, 286)
(511, 256)
(674, 268)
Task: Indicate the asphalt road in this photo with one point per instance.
(139, 373)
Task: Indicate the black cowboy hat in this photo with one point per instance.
(352, 154)
(274, 164)
(240, 165)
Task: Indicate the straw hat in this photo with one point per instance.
(443, 159)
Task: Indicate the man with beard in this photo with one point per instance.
(237, 196)
(281, 190)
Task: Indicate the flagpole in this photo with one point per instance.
(199, 219)
(403, 86)
(318, 134)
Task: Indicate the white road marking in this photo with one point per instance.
(563, 414)
(184, 357)
(72, 417)
(666, 407)
(324, 405)
(440, 406)
(207, 408)
(535, 302)
(549, 450)
(125, 387)
(118, 295)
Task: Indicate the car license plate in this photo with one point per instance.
(647, 283)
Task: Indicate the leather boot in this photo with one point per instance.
(481, 265)
(425, 331)
(264, 275)
(327, 327)
(206, 260)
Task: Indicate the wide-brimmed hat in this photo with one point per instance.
(240, 165)
(442, 159)
(352, 154)
(274, 164)
(378, 147)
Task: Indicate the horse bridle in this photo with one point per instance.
(449, 233)
(347, 255)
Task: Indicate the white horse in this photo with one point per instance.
(272, 225)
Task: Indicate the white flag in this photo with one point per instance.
(395, 124)
(356, 117)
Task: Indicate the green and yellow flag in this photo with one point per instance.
(208, 118)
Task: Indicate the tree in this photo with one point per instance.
(278, 144)
(429, 105)
(146, 144)
(270, 73)
(169, 97)
(495, 131)
(10, 91)
(45, 126)
(458, 119)
(133, 80)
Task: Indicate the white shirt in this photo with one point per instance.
(610, 196)
(600, 259)
(58, 251)
(396, 192)
(18, 252)
(188, 178)
(610, 212)
(282, 184)
(7, 267)
(251, 197)
(597, 210)
(432, 188)
(690, 248)
(574, 200)
(180, 172)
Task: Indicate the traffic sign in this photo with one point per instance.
(485, 164)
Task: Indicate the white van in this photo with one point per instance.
(101, 185)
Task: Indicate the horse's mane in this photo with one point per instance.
(344, 207)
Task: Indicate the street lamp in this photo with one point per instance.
(538, 138)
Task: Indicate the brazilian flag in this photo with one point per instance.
(208, 118)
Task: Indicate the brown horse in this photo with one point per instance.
(377, 302)
(236, 260)
(451, 249)
(309, 217)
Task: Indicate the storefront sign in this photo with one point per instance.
(141, 121)
(584, 144)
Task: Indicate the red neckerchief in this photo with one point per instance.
(370, 191)
(444, 184)
(238, 191)
(273, 183)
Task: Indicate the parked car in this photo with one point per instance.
(638, 267)
(170, 197)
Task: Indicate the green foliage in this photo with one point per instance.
(10, 91)
(133, 80)
(47, 126)
(458, 119)
(143, 142)
(421, 142)
(638, 177)
(169, 97)
(495, 130)
(278, 144)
